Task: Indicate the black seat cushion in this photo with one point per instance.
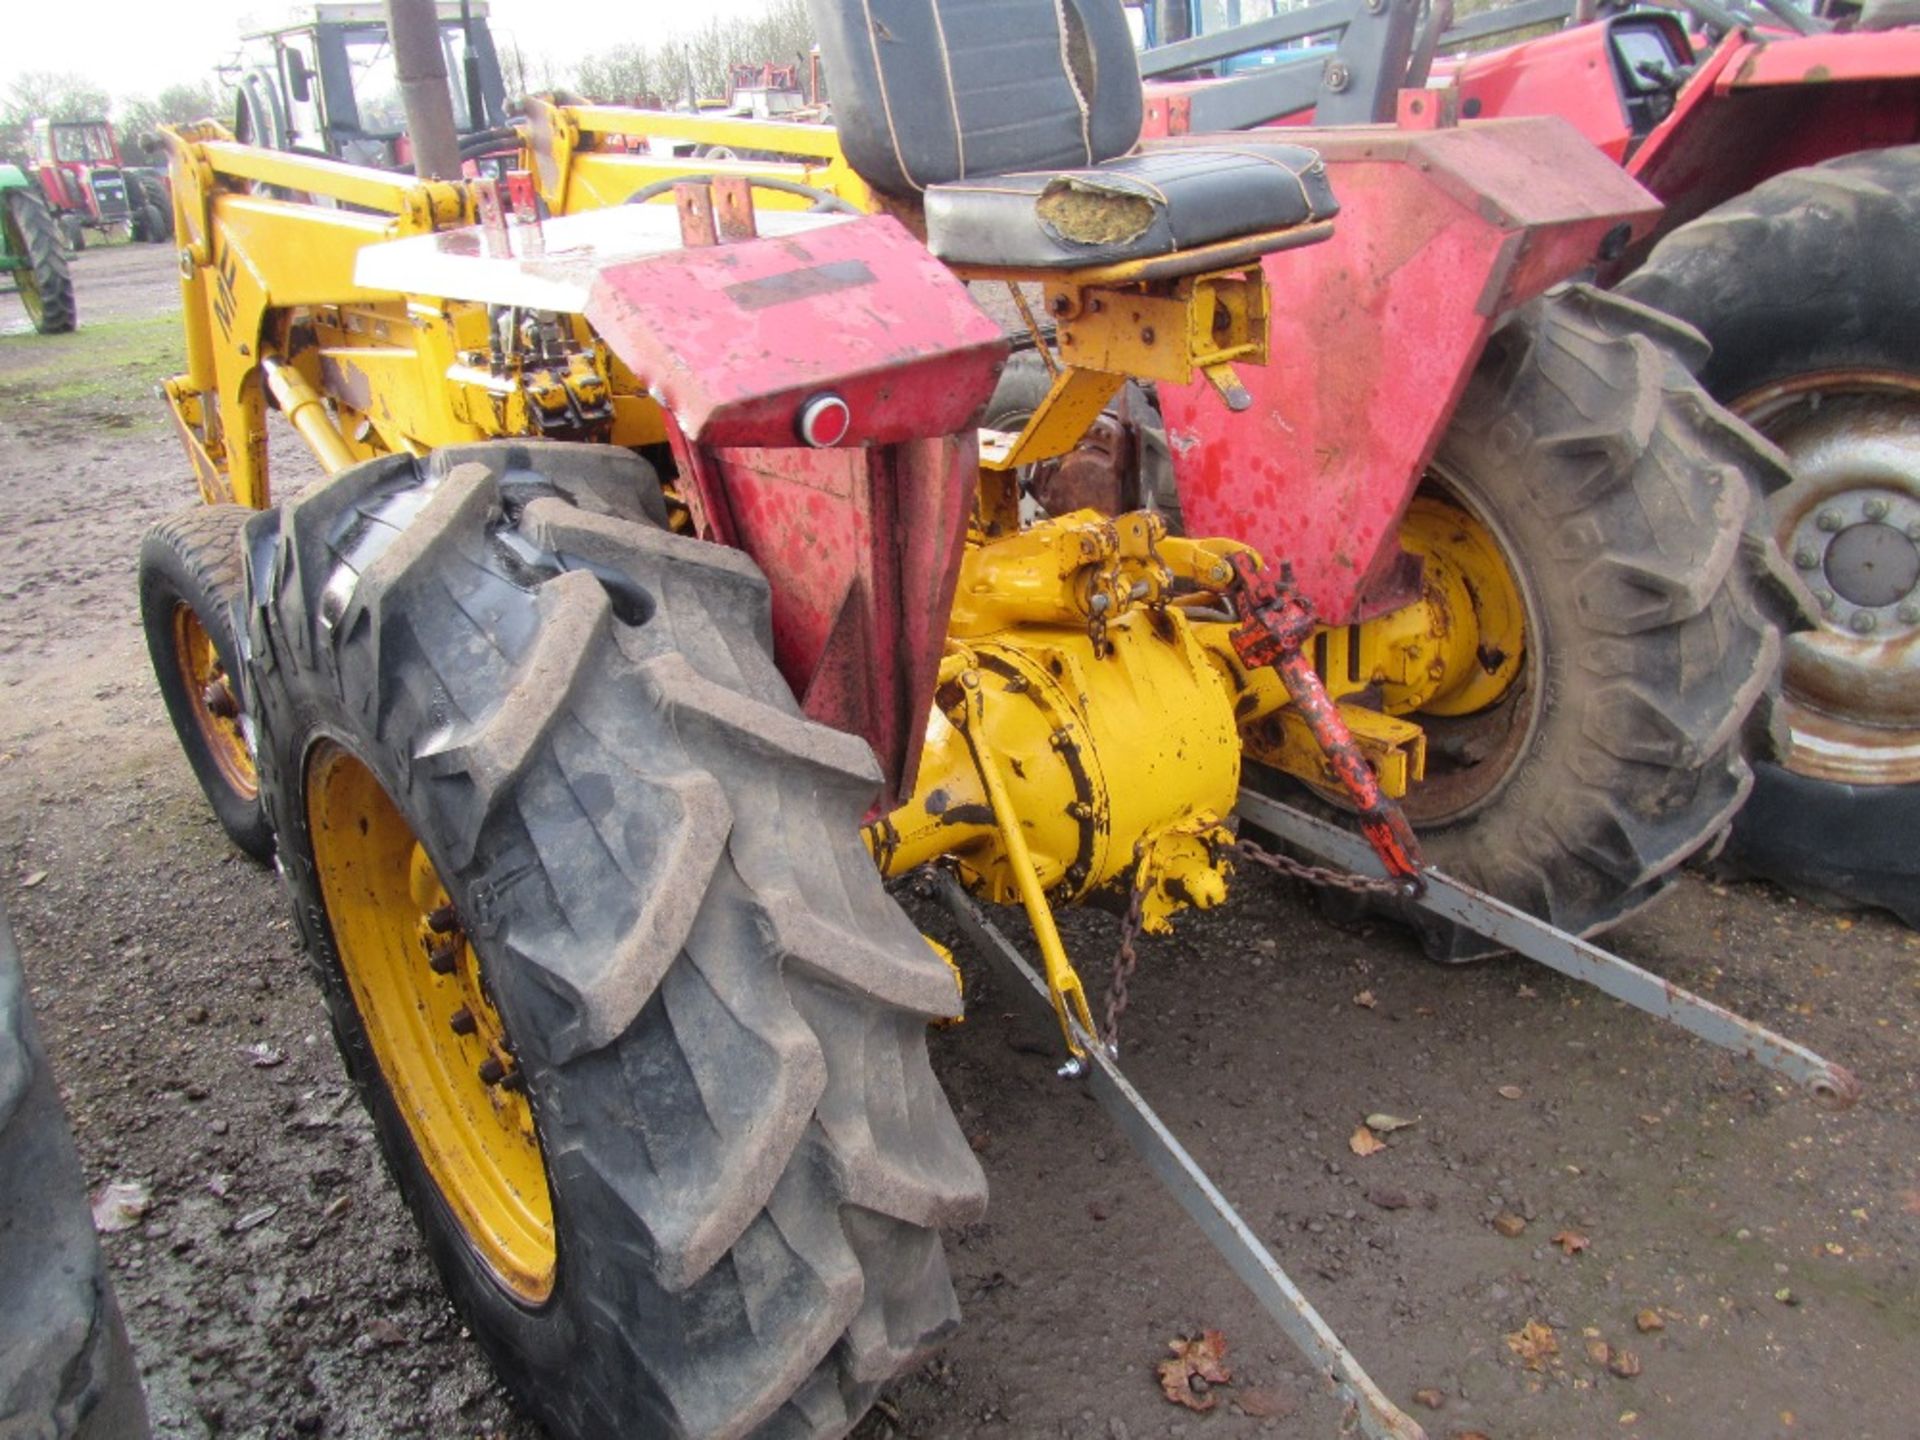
(1128, 209)
(927, 91)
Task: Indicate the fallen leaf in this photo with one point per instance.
(1264, 1404)
(1196, 1365)
(1843, 924)
(1386, 1124)
(1625, 1364)
(1365, 1000)
(1648, 1321)
(1598, 1351)
(1429, 1397)
(1571, 1242)
(1509, 1224)
(1534, 1343)
(1786, 1296)
(1628, 1417)
(28, 882)
(1364, 1142)
(1510, 1092)
(120, 1205)
(1388, 1198)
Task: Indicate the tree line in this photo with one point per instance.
(694, 66)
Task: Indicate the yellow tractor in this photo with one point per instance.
(662, 601)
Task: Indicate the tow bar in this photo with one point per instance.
(1829, 1084)
(1364, 1405)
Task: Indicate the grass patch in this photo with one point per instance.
(103, 360)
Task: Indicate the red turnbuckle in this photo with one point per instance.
(1276, 623)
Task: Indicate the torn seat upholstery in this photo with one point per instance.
(1011, 121)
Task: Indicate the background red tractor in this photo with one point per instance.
(86, 185)
(1782, 144)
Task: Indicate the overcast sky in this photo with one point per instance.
(138, 47)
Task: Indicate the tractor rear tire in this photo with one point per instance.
(66, 1370)
(716, 1013)
(192, 574)
(1624, 504)
(1804, 287)
(46, 287)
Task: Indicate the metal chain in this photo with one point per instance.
(1322, 875)
(1126, 958)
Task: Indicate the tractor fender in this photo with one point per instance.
(1442, 231)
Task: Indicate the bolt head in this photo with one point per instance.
(1825, 597)
(1909, 613)
(1806, 557)
(1829, 520)
(1863, 622)
(1876, 509)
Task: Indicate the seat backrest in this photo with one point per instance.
(928, 91)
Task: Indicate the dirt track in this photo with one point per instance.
(275, 1287)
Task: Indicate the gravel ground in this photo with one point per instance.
(1754, 1256)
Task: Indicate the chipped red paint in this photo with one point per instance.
(1278, 622)
(1374, 335)
(860, 541)
(735, 338)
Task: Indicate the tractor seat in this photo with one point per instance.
(1133, 208)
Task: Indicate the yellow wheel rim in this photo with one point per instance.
(422, 1000)
(1468, 577)
(216, 706)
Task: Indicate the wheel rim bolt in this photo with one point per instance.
(1909, 613)
(1876, 509)
(1829, 520)
(1825, 597)
(462, 1021)
(1863, 622)
(442, 919)
(492, 1072)
(1806, 557)
(441, 961)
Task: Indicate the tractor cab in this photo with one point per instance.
(78, 165)
(327, 83)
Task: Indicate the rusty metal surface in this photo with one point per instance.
(1277, 623)
(1829, 1084)
(1366, 1405)
(1375, 334)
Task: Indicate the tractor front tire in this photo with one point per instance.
(694, 1185)
(1622, 502)
(46, 287)
(1804, 287)
(191, 579)
(66, 1370)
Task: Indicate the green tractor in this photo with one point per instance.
(30, 252)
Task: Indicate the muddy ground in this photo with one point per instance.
(275, 1287)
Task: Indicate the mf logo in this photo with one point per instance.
(224, 270)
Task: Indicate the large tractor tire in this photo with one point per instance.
(1611, 506)
(66, 1370)
(191, 577)
(45, 286)
(642, 1033)
(1804, 286)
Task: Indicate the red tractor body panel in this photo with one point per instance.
(1752, 107)
(1375, 334)
(860, 540)
(1757, 108)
